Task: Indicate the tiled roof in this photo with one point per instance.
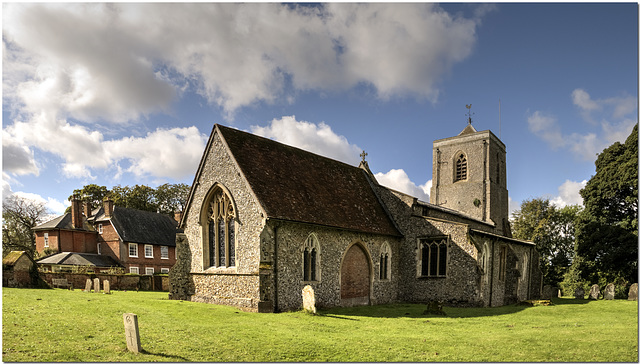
(13, 257)
(68, 258)
(64, 222)
(137, 226)
(296, 185)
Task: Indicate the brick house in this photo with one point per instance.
(264, 219)
(139, 241)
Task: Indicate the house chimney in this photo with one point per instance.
(76, 213)
(87, 209)
(108, 206)
(177, 215)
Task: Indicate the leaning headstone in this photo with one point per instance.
(106, 286)
(609, 291)
(558, 292)
(131, 332)
(87, 286)
(96, 285)
(579, 293)
(308, 299)
(594, 294)
(548, 292)
(633, 292)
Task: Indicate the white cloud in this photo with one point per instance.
(569, 194)
(398, 179)
(319, 139)
(587, 145)
(513, 206)
(16, 158)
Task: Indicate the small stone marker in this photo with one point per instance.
(131, 332)
(609, 291)
(308, 299)
(594, 294)
(633, 292)
(96, 285)
(106, 286)
(579, 293)
(87, 286)
(548, 292)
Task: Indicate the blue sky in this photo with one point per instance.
(128, 94)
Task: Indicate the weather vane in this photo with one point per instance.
(469, 113)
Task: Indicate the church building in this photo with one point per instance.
(264, 219)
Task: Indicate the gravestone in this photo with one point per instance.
(633, 292)
(96, 285)
(609, 291)
(548, 292)
(308, 299)
(131, 332)
(106, 286)
(87, 286)
(594, 294)
(579, 293)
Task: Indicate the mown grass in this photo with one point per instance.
(61, 325)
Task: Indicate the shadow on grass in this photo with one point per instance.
(175, 357)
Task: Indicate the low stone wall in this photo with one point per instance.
(122, 282)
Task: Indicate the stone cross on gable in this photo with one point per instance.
(363, 155)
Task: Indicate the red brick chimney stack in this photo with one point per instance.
(76, 213)
(108, 206)
(87, 209)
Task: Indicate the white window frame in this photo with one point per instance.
(147, 248)
(100, 229)
(164, 252)
(135, 246)
(134, 270)
(149, 271)
(99, 248)
(46, 240)
(164, 270)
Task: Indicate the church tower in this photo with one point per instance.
(470, 176)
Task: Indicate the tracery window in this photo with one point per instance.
(310, 259)
(461, 168)
(221, 230)
(385, 254)
(433, 254)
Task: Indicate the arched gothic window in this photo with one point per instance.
(434, 257)
(311, 259)
(385, 255)
(221, 230)
(461, 168)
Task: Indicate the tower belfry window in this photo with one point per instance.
(461, 168)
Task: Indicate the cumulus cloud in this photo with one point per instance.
(319, 139)
(398, 179)
(569, 194)
(616, 120)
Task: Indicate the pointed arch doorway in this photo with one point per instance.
(355, 277)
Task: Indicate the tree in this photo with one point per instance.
(552, 230)
(171, 197)
(19, 216)
(607, 231)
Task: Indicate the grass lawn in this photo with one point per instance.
(61, 325)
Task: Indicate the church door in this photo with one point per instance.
(355, 277)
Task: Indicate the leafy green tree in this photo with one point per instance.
(138, 197)
(552, 230)
(171, 197)
(91, 193)
(19, 216)
(607, 231)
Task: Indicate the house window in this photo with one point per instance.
(133, 250)
(164, 252)
(148, 251)
(46, 240)
(503, 263)
(164, 270)
(385, 253)
(221, 230)
(99, 228)
(433, 257)
(134, 270)
(99, 248)
(461, 168)
(148, 271)
(311, 259)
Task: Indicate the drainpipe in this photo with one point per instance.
(493, 242)
(437, 176)
(275, 268)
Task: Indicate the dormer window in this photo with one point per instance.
(461, 168)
